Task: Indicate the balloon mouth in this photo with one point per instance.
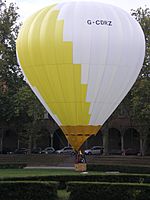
(77, 135)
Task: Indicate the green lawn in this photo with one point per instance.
(34, 172)
(47, 172)
(39, 172)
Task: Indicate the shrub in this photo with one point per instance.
(13, 166)
(120, 168)
(132, 178)
(86, 195)
(28, 190)
(108, 191)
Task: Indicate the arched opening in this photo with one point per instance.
(114, 141)
(131, 141)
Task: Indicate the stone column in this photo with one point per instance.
(122, 143)
(105, 140)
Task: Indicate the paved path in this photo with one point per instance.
(48, 167)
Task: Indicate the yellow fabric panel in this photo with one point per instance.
(46, 88)
(79, 113)
(26, 41)
(51, 80)
(71, 115)
(77, 135)
(34, 40)
(61, 55)
(47, 62)
(76, 141)
(55, 80)
(77, 70)
(67, 54)
(66, 75)
(60, 109)
(47, 38)
(58, 42)
(29, 74)
(22, 43)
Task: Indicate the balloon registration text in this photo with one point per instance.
(100, 22)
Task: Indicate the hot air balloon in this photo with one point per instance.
(80, 59)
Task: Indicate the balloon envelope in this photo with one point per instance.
(80, 59)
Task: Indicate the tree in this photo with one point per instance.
(18, 104)
(143, 17)
(140, 91)
(9, 71)
(28, 113)
(10, 76)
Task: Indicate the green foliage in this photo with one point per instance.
(11, 78)
(9, 69)
(34, 174)
(27, 104)
(28, 190)
(108, 191)
(140, 100)
(63, 194)
(18, 104)
(89, 187)
(10, 75)
(12, 166)
(28, 113)
(119, 168)
(143, 17)
(64, 179)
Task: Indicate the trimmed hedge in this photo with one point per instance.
(108, 191)
(132, 178)
(119, 168)
(13, 166)
(28, 190)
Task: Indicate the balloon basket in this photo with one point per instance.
(80, 167)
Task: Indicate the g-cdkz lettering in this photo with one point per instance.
(100, 22)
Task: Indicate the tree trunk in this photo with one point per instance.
(30, 144)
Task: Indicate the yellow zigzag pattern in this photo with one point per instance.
(47, 62)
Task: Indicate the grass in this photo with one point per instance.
(46, 172)
(40, 172)
(63, 194)
(34, 172)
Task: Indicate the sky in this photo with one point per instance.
(27, 7)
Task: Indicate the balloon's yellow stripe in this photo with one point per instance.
(47, 62)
